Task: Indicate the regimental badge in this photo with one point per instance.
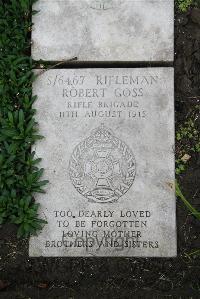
(102, 167)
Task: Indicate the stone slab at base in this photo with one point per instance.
(100, 30)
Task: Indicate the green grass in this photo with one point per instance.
(20, 176)
(180, 195)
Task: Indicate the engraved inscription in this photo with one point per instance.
(102, 167)
(102, 4)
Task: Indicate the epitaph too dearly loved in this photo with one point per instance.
(108, 154)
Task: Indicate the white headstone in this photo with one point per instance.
(103, 30)
(108, 154)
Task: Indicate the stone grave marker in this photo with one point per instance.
(103, 30)
(108, 154)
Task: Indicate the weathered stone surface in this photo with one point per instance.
(108, 153)
(112, 30)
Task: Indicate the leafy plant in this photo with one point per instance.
(183, 5)
(20, 175)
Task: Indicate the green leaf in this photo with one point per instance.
(179, 194)
(20, 232)
(10, 117)
(21, 118)
(30, 126)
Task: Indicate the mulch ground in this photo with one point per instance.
(23, 277)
